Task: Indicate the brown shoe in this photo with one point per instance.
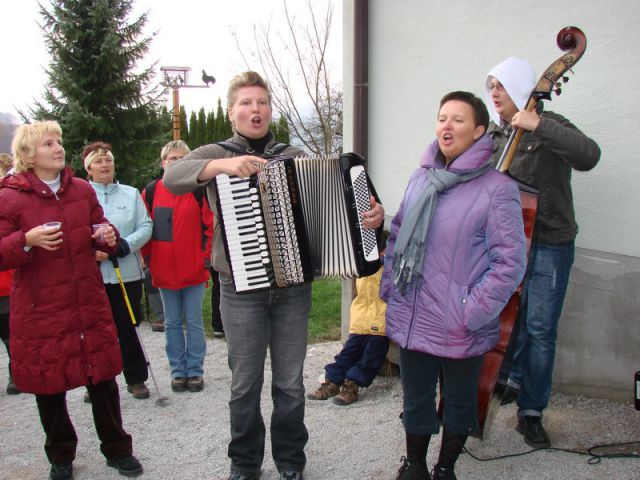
(138, 391)
(195, 384)
(348, 393)
(157, 326)
(327, 390)
(179, 384)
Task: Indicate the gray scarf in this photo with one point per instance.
(412, 237)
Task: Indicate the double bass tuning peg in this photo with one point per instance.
(565, 79)
(558, 90)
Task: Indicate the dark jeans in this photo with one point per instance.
(153, 295)
(359, 360)
(134, 363)
(216, 316)
(273, 320)
(420, 373)
(61, 439)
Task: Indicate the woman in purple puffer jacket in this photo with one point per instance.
(455, 255)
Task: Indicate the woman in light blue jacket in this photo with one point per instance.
(456, 253)
(123, 206)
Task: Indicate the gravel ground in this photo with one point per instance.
(188, 438)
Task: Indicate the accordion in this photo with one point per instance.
(299, 218)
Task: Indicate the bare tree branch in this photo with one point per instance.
(294, 64)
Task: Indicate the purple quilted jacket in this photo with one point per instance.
(475, 259)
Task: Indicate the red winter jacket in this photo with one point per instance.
(5, 282)
(62, 333)
(179, 251)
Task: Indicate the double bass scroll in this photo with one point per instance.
(570, 40)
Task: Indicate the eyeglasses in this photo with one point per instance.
(497, 86)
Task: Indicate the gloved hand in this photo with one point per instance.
(123, 249)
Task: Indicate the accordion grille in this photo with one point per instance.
(279, 222)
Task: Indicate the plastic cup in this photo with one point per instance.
(100, 228)
(53, 225)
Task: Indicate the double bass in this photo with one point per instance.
(574, 42)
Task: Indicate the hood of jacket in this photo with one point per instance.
(29, 182)
(518, 79)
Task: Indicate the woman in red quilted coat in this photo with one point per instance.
(62, 332)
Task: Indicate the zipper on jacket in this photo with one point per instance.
(413, 316)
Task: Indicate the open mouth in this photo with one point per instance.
(447, 138)
(256, 121)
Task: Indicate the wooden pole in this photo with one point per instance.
(176, 114)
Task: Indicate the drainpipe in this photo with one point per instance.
(361, 77)
(360, 121)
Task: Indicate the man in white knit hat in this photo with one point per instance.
(550, 149)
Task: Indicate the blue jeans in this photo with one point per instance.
(359, 360)
(274, 319)
(544, 290)
(185, 353)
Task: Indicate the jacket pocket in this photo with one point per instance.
(225, 279)
(457, 310)
(528, 151)
(162, 224)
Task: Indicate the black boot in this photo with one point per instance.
(11, 387)
(414, 466)
(449, 451)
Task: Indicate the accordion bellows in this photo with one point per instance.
(297, 219)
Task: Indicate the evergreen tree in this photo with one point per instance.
(193, 131)
(282, 130)
(184, 129)
(96, 91)
(202, 129)
(228, 128)
(220, 130)
(211, 128)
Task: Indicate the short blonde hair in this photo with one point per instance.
(173, 145)
(245, 79)
(6, 163)
(25, 140)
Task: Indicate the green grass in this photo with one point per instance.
(324, 318)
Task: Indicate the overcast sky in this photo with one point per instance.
(181, 26)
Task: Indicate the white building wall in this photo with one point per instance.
(420, 50)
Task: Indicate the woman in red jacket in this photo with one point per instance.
(62, 332)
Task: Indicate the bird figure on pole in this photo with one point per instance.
(208, 79)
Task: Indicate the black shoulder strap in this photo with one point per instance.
(277, 149)
(149, 192)
(237, 148)
(234, 147)
(199, 194)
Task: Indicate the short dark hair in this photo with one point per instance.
(480, 113)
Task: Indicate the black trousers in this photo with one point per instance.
(134, 363)
(216, 317)
(61, 439)
(4, 334)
